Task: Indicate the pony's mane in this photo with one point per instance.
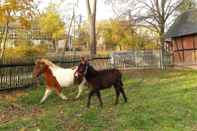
(47, 62)
(91, 70)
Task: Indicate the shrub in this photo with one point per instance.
(25, 50)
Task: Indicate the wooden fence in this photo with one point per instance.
(18, 73)
(15, 76)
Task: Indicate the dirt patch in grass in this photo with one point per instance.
(11, 96)
(11, 110)
(14, 111)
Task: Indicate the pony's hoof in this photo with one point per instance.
(65, 98)
(76, 98)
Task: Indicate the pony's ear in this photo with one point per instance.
(75, 67)
(37, 61)
(40, 62)
(84, 60)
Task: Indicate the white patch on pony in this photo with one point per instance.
(63, 96)
(46, 94)
(76, 74)
(65, 77)
(81, 86)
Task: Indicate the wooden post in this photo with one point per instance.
(177, 49)
(183, 51)
(194, 47)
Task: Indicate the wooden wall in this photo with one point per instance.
(185, 50)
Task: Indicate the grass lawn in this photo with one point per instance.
(157, 100)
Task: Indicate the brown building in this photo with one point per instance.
(182, 38)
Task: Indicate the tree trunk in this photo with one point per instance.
(68, 40)
(120, 47)
(92, 26)
(54, 44)
(162, 42)
(3, 46)
(92, 35)
(3, 32)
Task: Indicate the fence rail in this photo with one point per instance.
(18, 73)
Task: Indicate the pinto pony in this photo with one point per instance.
(56, 78)
(102, 79)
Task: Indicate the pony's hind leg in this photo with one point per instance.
(117, 94)
(59, 92)
(123, 94)
(122, 91)
(46, 94)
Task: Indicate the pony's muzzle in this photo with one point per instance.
(76, 75)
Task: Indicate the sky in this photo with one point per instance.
(103, 11)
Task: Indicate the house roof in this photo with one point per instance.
(185, 24)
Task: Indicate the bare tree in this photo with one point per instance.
(156, 15)
(68, 40)
(92, 25)
(122, 8)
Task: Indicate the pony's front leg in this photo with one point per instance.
(59, 92)
(89, 97)
(80, 88)
(46, 94)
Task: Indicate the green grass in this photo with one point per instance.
(157, 100)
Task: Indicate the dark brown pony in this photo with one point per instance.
(102, 79)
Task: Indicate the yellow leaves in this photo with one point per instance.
(11, 10)
(10, 98)
(2, 17)
(122, 34)
(51, 23)
(58, 33)
(12, 4)
(22, 129)
(23, 50)
(115, 32)
(24, 22)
